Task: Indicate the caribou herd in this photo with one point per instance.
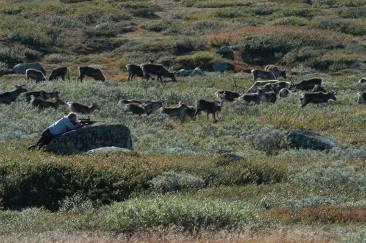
(266, 88)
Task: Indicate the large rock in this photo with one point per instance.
(221, 66)
(309, 140)
(21, 67)
(88, 138)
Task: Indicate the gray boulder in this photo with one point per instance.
(226, 52)
(92, 137)
(21, 67)
(309, 140)
(221, 67)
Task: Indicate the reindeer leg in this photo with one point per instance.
(214, 117)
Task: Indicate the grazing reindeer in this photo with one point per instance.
(253, 97)
(135, 108)
(82, 109)
(58, 73)
(134, 70)
(11, 96)
(227, 95)
(158, 70)
(308, 84)
(35, 75)
(210, 107)
(152, 106)
(274, 84)
(41, 94)
(149, 106)
(318, 88)
(317, 98)
(276, 71)
(265, 75)
(43, 104)
(283, 93)
(90, 72)
(180, 112)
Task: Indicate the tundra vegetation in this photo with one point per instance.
(235, 179)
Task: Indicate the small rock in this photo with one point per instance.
(110, 149)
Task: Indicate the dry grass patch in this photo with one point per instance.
(321, 214)
(313, 35)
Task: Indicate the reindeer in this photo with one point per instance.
(61, 72)
(82, 109)
(43, 104)
(180, 112)
(210, 107)
(90, 72)
(42, 94)
(34, 74)
(11, 96)
(158, 70)
(134, 70)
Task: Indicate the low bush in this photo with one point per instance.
(186, 45)
(203, 59)
(263, 50)
(348, 26)
(335, 61)
(171, 181)
(337, 176)
(186, 214)
(268, 140)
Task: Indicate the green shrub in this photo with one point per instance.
(312, 202)
(203, 59)
(228, 13)
(335, 61)
(263, 50)
(348, 26)
(76, 203)
(186, 214)
(215, 3)
(268, 140)
(337, 176)
(291, 21)
(175, 181)
(187, 45)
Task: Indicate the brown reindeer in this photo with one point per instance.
(90, 72)
(82, 109)
(11, 96)
(225, 95)
(35, 75)
(158, 70)
(210, 107)
(317, 98)
(42, 94)
(58, 73)
(181, 112)
(134, 70)
(43, 104)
